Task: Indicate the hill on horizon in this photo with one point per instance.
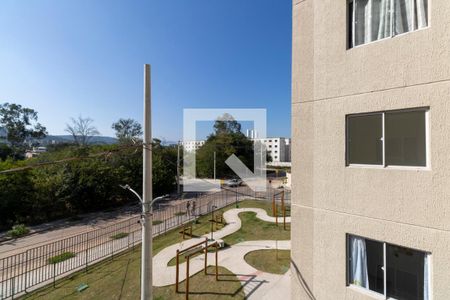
(58, 139)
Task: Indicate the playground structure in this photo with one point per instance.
(191, 251)
(186, 230)
(283, 209)
(231, 258)
(216, 219)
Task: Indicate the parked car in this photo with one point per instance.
(233, 182)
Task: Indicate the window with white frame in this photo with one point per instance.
(393, 271)
(371, 20)
(391, 138)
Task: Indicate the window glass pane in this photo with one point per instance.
(375, 262)
(405, 273)
(421, 13)
(403, 16)
(364, 144)
(405, 138)
(372, 20)
(350, 24)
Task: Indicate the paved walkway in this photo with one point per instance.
(257, 284)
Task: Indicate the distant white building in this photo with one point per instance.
(35, 152)
(279, 148)
(275, 147)
(287, 152)
(191, 146)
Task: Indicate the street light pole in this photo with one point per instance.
(212, 221)
(214, 165)
(146, 259)
(178, 168)
(144, 221)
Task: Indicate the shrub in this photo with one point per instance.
(180, 213)
(157, 222)
(18, 231)
(60, 258)
(119, 235)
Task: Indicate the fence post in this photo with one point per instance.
(86, 259)
(26, 270)
(13, 284)
(54, 275)
(129, 231)
(112, 249)
(177, 271)
(87, 253)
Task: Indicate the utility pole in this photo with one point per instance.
(214, 165)
(178, 169)
(146, 219)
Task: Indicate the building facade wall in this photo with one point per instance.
(191, 146)
(404, 207)
(276, 148)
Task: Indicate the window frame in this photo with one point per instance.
(425, 109)
(351, 34)
(375, 294)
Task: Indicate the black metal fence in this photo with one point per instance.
(41, 265)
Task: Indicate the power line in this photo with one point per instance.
(74, 158)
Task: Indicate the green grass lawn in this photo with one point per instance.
(254, 229)
(270, 261)
(267, 206)
(119, 278)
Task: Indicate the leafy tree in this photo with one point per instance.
(226, 124)
(82, 185)
(127, 130)
(16, 192)
(164, 168)
(21, 124)
(82, 130)
(5, 152)
(226, 140)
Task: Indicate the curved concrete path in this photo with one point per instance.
(257, 284)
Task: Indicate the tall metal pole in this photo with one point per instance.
(146, 259)
(178, 168)
(214, 165)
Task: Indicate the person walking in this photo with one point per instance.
(188, 206)
(193, 208)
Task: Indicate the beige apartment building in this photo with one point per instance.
(371, 149)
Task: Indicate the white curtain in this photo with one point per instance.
(373, 20)
(358, 264)
(403, 14)
(426, 282)
(384, 28)
(422, 13)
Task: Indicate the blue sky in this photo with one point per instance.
(85, 57)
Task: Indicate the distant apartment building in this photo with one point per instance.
(287, 150)
(370, 158)
(277, 147)
(191, 146)
(36, 151)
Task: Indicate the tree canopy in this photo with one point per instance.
(127, 130)
(80, 186)
(82, 130)
(227, 139)
(21, 123)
